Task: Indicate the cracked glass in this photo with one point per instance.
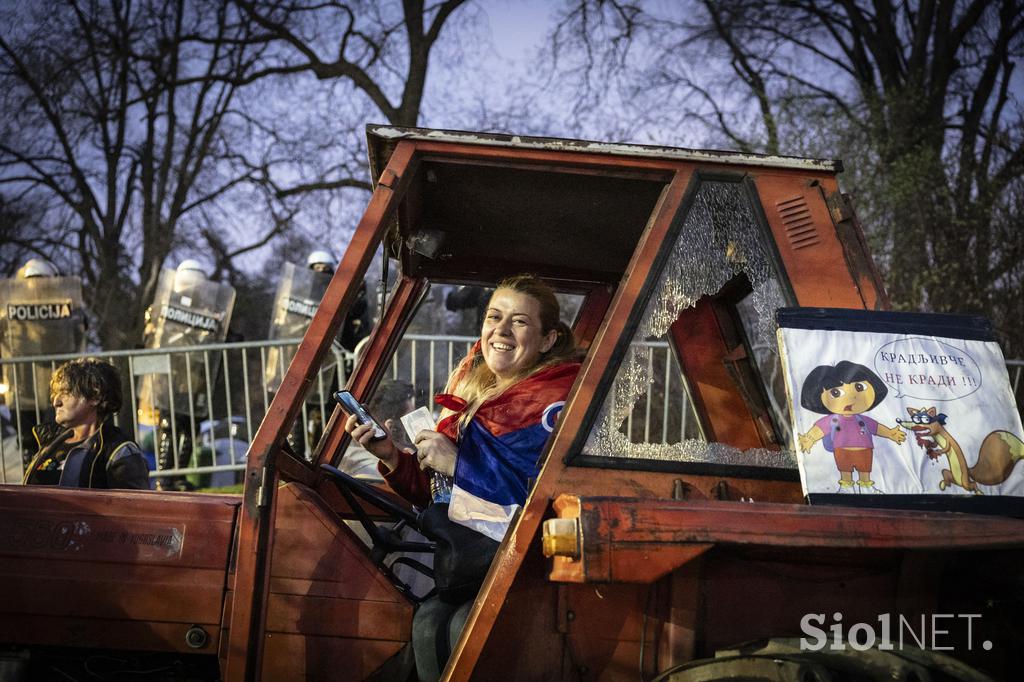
(648, 413)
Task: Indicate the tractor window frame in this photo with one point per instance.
(580, 455)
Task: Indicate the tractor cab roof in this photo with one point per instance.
(570, 211)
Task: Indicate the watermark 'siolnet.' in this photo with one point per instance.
(934, 632)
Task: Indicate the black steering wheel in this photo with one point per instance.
(384, 540)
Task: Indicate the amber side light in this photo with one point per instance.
(561, 538)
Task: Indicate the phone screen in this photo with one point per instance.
(353, 406)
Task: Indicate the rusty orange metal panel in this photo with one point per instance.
(574, 161)
(618, 531)
(324, 660)
(595, 482)
(82, 588)
(106, 633)
(811, 252)
(256, 523)
(114, 569)
(606, 627)
(333, 618)
(592, 312)
(327, 601)
(855, 246)
(682, 616)
(721, 408)
(320, 556)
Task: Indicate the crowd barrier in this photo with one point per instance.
(217, 427)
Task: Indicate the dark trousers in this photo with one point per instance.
(165, 450)
(436, 627)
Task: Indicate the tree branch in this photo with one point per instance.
(323, 185)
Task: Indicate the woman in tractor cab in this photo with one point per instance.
(499, 408)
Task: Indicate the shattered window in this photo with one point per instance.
(662, 412)
(720, 240)
(766, 358)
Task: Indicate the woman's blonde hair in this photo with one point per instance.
(474, 381)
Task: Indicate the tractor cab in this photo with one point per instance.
(668, 515)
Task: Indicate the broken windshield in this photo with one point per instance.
(719, 241)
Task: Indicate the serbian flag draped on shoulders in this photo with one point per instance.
(500, 448)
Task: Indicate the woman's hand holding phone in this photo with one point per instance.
(383, 449)
(358, 410)
(365, 430)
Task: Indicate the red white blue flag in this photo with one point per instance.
(499, 450)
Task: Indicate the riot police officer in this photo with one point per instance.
(41, 313)
(37, 267)
(357, 323)
(320, 261)
(297, 298)
(188, 310)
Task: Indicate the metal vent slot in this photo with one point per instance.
(799, 225)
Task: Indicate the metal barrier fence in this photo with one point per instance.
(208, 446)
(208, 436)
(220, 422)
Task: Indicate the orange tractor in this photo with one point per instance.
(666, 535)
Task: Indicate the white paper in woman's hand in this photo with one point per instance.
(418, 420)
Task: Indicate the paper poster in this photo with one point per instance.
(889, 403)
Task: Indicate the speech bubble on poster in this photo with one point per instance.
(927, 369)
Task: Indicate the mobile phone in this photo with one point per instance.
(363, 416)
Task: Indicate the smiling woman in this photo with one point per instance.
(500, 406)
(511, 339)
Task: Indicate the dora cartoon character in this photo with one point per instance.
(843, 393)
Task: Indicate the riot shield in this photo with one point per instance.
(186, 311)
(295, 303)
(38, 316)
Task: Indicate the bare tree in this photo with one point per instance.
(118, 116)
(379, 53)
(369, 62)
(919, 96)
(148, 128)
(20, 234)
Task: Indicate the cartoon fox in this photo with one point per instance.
(999, 452)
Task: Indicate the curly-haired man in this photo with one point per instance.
(84, 449)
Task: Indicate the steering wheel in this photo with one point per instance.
(384, 540)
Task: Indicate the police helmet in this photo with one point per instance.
(188, 273)
(190, 264)
(320, 258)
(37, 267)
